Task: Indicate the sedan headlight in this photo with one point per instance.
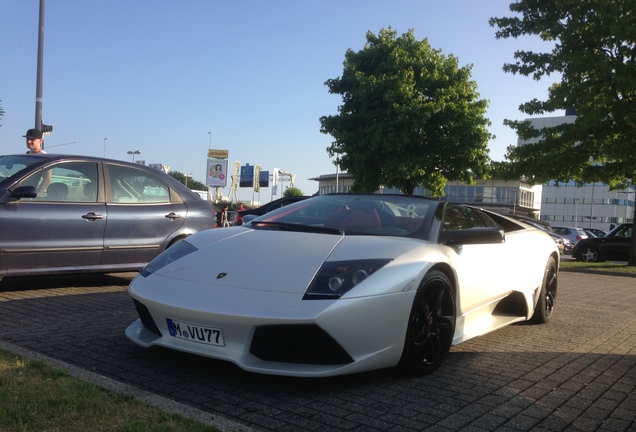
(168, 256)
(334, 279)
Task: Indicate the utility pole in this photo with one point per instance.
(38, 85)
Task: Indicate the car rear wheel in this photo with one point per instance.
(589, 254)
(545, 305)
(431, 325)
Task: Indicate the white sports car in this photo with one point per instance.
(346, 283)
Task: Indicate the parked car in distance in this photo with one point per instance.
(615, 246)
(266, 208)
(574, 234)
(595, 232)
(81, 214)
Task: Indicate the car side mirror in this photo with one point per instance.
(18, 193)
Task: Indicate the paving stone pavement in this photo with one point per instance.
(577, 373)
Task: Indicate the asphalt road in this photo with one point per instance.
(578, 373)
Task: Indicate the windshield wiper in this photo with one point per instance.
(285, 226)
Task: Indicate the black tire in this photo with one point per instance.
(431, 326)
(545, 305)
(589, 254)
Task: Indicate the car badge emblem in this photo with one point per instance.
(221, 275)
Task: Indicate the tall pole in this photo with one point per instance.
(592, 206)
(105, 146)
(38, 85)
(210, 143)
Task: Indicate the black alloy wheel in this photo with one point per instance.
(431, 325)
(545, 305)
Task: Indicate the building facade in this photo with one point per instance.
(587, 206)
(501, 196)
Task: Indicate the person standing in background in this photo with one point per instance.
(224, 220)
(34, 141)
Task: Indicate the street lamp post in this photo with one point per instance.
(576, 212)
(105, 146)
(186, 179)
(133, 153)
(39, 72)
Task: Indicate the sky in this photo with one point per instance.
(173, 79)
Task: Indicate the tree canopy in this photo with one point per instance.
(191, 183)
(292, 191)
(410, 116)
(594, 53)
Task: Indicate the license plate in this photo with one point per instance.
(195, 333)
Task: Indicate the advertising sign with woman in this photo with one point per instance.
(217, 172)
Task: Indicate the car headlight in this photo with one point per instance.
(336, 278)
(168, 256)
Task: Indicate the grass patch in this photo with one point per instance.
(608, 267)
(37, 397)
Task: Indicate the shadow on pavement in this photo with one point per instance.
(66, 281)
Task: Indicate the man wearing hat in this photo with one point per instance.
(34, 141)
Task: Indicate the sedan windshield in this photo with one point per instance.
(381, 215)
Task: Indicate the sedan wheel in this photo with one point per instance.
(545, 305)
(589, 254)
(431, 325)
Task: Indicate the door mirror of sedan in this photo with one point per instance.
(480, 235)
(18, 193)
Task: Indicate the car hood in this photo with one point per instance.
(272, 260)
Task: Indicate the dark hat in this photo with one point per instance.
(33, 133)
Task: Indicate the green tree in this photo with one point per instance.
(594, 53)
(192, 184)
(292, 191)
(410, 116)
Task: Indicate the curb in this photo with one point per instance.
(149, 398)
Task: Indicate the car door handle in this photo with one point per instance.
(173, 216)
(92, 216)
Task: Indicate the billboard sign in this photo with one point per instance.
(264, 179)
(218, 154)
(247, 176)
(217, 172)
(257, 178)
(235, 175)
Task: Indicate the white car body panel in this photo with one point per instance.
(237, 294)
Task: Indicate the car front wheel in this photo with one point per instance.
(431, 325)
(545, 305)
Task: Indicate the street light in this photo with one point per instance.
(133, 153)
(186, 179)
(105, 146)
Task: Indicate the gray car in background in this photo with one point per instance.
(574, 234)
(80, 214)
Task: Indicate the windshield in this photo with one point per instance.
(381, 215)
(624, 230)
(10, 165)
